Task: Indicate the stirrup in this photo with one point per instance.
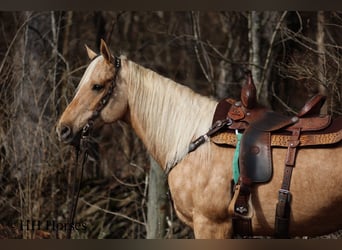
(239, 211)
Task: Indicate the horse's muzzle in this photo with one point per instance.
(66, 135)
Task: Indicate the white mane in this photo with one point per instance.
(170, 114)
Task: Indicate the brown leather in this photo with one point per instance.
(239, 112)
(313, 106)
(283, 208)
(283, 212)
(320, 130)
(236, 112)
(270, 121)
(255, 159)
(242, 227)
(292, 148)
(311, 123)
(248, 93)
(222, 109)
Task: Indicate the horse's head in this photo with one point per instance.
(94, 85)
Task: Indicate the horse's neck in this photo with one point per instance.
(165, 115)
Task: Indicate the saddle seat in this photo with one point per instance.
(319, 130)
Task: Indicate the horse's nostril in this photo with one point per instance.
(65, 132)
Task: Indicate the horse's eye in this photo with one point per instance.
(97, 87)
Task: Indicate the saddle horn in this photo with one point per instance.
(248, 92)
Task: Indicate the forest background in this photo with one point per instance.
(292, 55)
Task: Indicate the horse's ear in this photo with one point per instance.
(91, 54)
(105, 51)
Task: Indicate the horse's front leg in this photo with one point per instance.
(206, 228)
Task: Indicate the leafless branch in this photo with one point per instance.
(208, 68)
(269, 52)
(112, 213)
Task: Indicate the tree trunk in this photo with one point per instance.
(321, 58)
(254, 35)
(157, 205)
(263, 28)
(233, 56)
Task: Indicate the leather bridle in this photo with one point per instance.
(84, 145)
(103, 102)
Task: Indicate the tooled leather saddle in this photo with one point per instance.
(261, 130)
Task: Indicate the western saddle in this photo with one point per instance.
(261, 130)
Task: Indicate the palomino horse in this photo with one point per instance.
(168, 117)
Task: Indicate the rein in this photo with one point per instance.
(85, 144)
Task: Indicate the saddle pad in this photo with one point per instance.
(282, 140)
(330, 135)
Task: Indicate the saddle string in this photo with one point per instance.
(84, 145)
